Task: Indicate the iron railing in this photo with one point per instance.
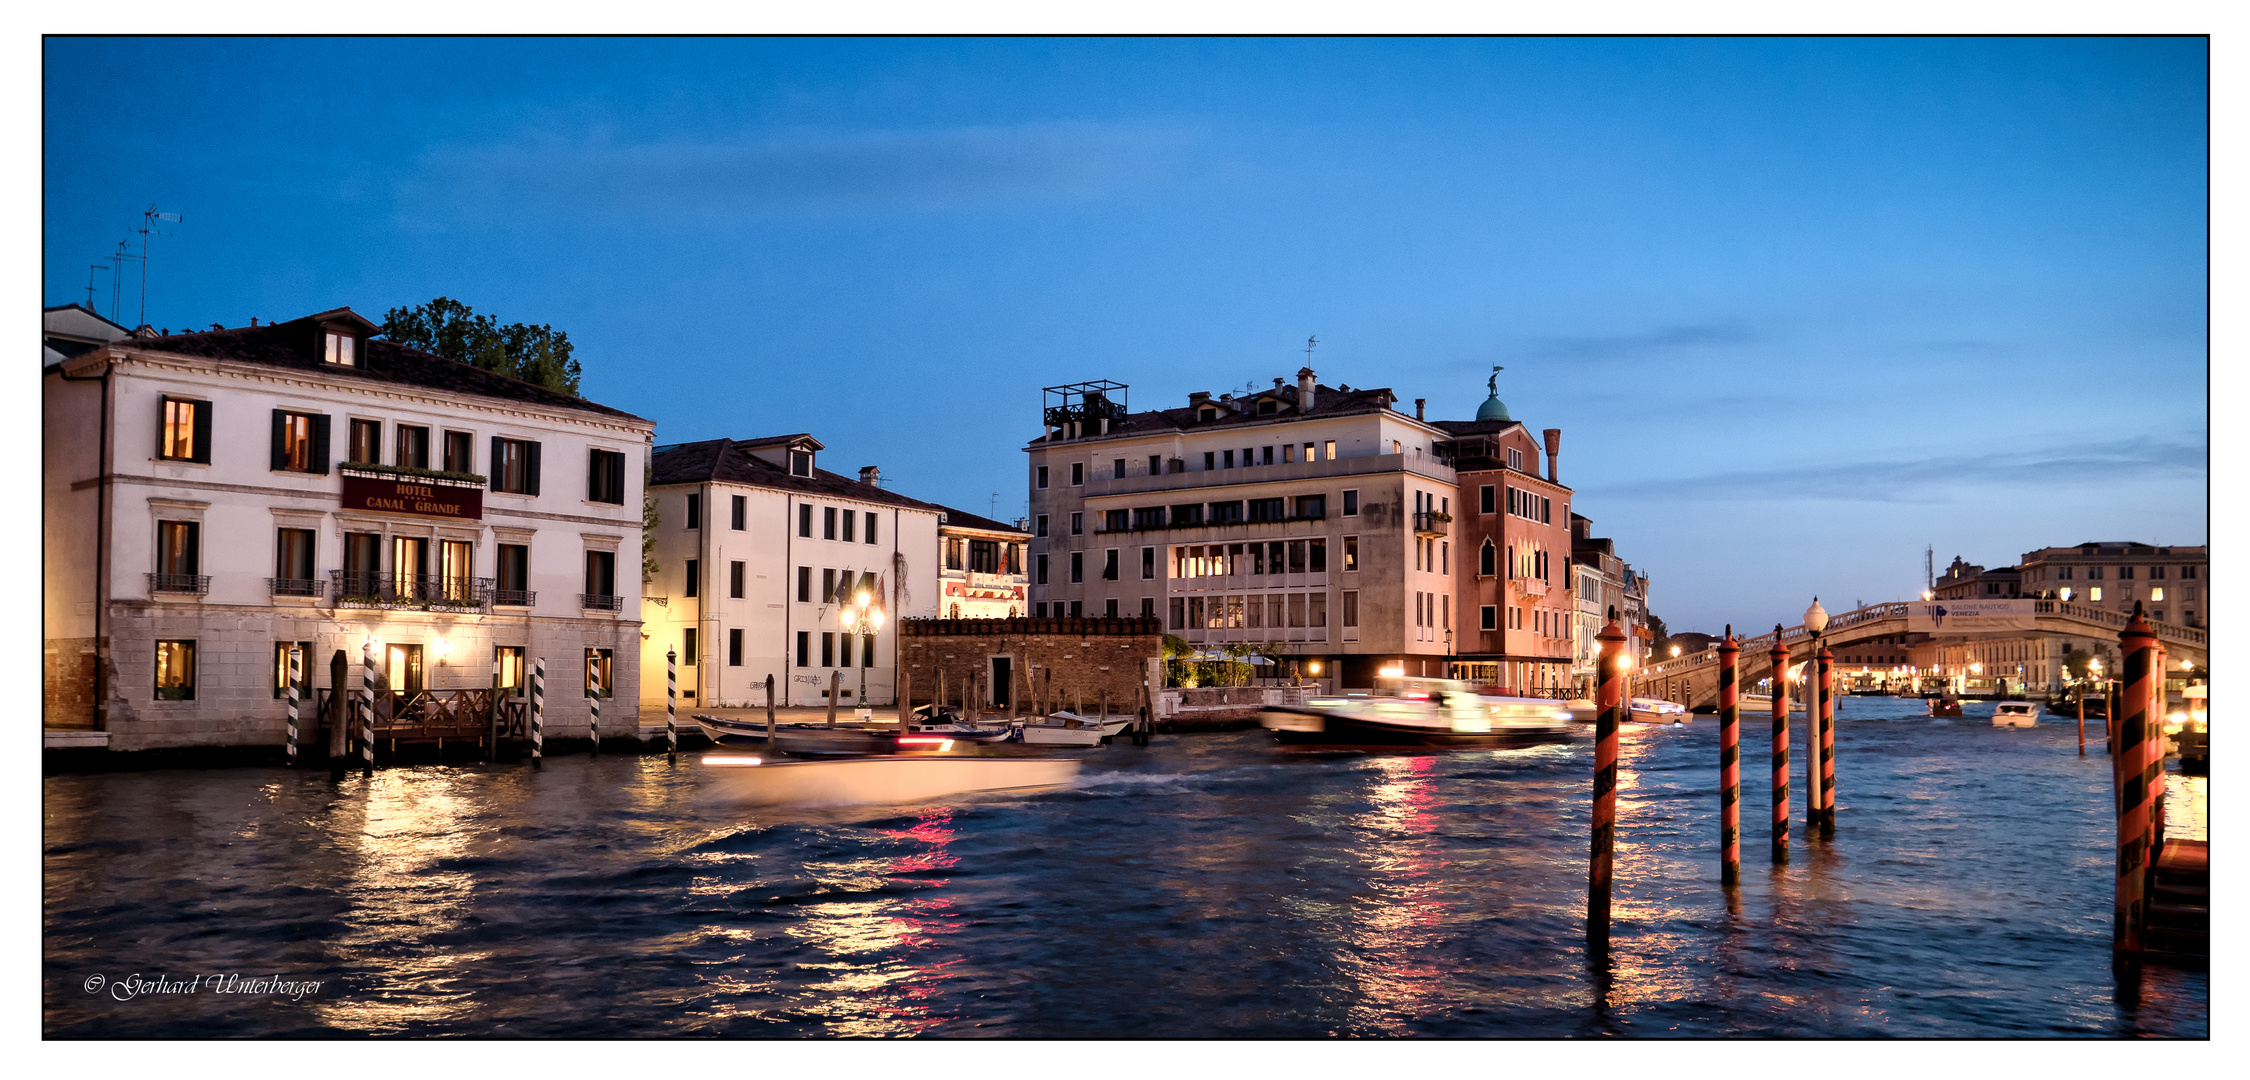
(1431, 522)
(600, 602)
(286, 586)
(196, 584)
(427, 592)
(514, 597)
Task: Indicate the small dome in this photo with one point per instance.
(1493, 409)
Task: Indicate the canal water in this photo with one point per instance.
(1206, 885)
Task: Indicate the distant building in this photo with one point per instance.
(2170, 583)
(72, 330)
(1598, 586)
(1515, 585)
(982, 576)
(1967, 581)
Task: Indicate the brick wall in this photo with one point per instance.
(68, 684)
(1069, 657)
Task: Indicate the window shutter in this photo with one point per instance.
(194, 548)
(531, 469)
(202, 433)
(320, 443)
(280, 447)
(493, 481)
(597, 473)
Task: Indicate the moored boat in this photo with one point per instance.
(1066, 728)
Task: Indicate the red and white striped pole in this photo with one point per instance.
(1730, 763)
(1827, 696)
(1780, 660)
(2130, 773)
(1610, 694)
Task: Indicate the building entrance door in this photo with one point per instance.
(1003, 676)
(405, 671)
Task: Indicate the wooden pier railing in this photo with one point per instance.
(421, 715)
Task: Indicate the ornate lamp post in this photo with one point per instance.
(1820, 728)
(859, 615)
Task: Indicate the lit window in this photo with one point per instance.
(341, 349)
(175, 671)
(187, 431)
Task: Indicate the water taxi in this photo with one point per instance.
(2015, 714)
(1422, 713)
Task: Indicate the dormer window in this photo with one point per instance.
(1207, 415)
(1268, 407)
(340, 349)
(800, 463)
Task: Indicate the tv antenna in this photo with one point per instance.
(993, 511)
(1309, 343)
(117, 262)
(149, 218)
(91, 270)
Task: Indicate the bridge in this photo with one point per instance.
(1693, 679)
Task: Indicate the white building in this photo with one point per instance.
(754, 546)
(983, 576)
(212, 498)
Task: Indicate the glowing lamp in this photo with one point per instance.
(1675, 650)
(1392, 672)
(1928, 595)
(1315, 666)
(1816, 617)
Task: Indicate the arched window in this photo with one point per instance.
(1487, 559)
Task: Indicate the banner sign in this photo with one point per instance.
(1969, 616)
(431, 497)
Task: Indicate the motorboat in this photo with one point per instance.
(1947, 705)
(1420, 713)
(756, 781)
(1066, 728)
(944, 721)
(1656, 711)
(2016, 714)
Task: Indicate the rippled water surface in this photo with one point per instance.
(1207, 885)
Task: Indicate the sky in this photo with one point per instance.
(1801, 307)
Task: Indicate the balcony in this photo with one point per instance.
(418, 592)
(1530, 586)
(179, 584)
(1431, 524)
(600, 602)
(283, 586)
(514, 597)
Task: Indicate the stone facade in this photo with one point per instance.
(1067, 657)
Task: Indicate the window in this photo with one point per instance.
(1296, 610)
(1351, 554)
(598, 682)
(693, 579)
(1445, 557)
(601, 575)
(1148, 564)
(366, 444)
(1077, 567)
(175, 671)
(460, 449)
(736, 571)
(1148, 607)
(2156, 573)
(1351, 607)
(1188, 514)
(694, 511)
(2187, 572)
(1317, 554)
(293, 570)
(800, 463)
(1229, 460)
(870, 531)
(804, 520)
(1226, 513)
(827, 586)
(1039, 525)
(300, 442)
(1077, 523)
(1109, 568)
(1109, 609)
(507, 664)
(2093, 573)
(804, 647)
(605, 479)
(828, 523)
(1316, 609)
(687, 647)
(177, 554)
(1486, 557)
(1156, 464)
(1331, 449)
(1351, 502)
(514, 579)
(2156, 594)
(984, 556)
(1488, 618)
(1117, 469)
(1266, 453)
(1040, 577)
(828, 648)
(2094, 593)
(1268, 509)
(2124, 573)
(867, 650)
(739, 509)
(1179, 613)
(1116, 521)
(1077, 473)
(281, 669)
(456, 574)
(1077, 609)
(1312, 507)
(413, 447)
(186, 435)
(1041, 479)
(1312, 455)
(1039, 610)
(515, 465)
(952, 549)
(1210, 461)
(1148, 517)
(1288, 453)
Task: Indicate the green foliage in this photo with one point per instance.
(539, 355)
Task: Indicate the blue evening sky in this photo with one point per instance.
(1799, 306)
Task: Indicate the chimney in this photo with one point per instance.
(1304, 389)
(869, 474)
(1277, 382)
(1554, 450)
(1418, 403)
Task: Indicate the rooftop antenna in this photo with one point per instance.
(149, 218)
(1309, 343)
(993, 509)
(117, 262)
(90, 271)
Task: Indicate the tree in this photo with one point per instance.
(1659, 637)
(539, 355)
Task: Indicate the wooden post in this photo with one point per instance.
(2081, 720)
(296, 681)
(339, 737)
(1826, 662)
(835, 681)
(671, 705)
(2130, 779)
(905, 702)
(492, 718)
(1779, 658)
(367, 707)
(1611, 697)
(1104, 706)
(1730, 763)
(769, 713)
(538, 709)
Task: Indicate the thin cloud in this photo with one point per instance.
(1912, 481)
(1647, 343)
(791, 174)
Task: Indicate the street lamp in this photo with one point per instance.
(859, 615)
(1928, 595)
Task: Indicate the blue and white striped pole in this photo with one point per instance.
(538, 708)
(296, 676)
(367, 707)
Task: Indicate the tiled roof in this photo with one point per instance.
(297, 345)
(729, 462)
(962, 519)
(1327, 401)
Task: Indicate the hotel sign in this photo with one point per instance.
(388, 493)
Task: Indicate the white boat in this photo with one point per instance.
(1418, 713)
(1066, 728)
(880, 781)
(1657, 711)
(2015, 714)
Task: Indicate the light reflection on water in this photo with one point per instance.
(1206, 885)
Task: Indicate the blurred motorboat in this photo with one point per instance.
(1419, 712)
(2015, 714)
(1658, 711)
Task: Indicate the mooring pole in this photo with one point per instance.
(538, 709)
(905, 702)
(1730, 763)
(1827, 675)
(1779, 658)
(594, 714)
(296, 677)
(2081, 720)
(671, 705)
(835, 681)
(1611, 697)
(769, 713)
(367, 707)
(339, 735)
(2130, 772)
